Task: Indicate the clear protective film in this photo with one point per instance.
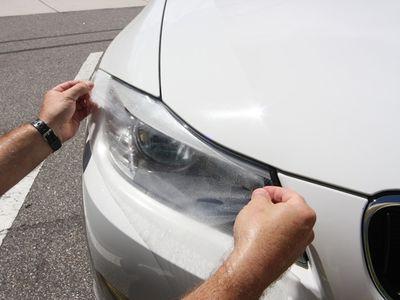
(162, 157)
(180, 193)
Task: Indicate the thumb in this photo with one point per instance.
(78, 90)
(260, 197)
(279, 194)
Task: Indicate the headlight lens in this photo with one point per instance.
(160, 155)
(162, 149)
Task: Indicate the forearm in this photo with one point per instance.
(21, 150)
(231, 281)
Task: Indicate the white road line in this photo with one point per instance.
(89, 66)
(12, 201)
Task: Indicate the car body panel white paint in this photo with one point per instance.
(126, 228)
(310, 87)
(338, 241)
(134, 54)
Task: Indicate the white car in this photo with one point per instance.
(203, 101)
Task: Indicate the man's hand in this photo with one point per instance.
(270, 233)
(23, 148)
(65, 106)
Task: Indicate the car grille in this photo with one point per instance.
(382, 244)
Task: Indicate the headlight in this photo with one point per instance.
(163, 157)
(162, 149)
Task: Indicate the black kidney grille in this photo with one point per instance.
(384, 249)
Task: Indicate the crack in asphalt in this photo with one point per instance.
(56, 46)
(59, 36)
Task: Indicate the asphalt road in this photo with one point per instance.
(44, 255)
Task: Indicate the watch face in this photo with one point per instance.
(40, 126)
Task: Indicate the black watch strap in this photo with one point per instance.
(48, 134)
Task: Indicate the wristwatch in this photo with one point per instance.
(48, 134)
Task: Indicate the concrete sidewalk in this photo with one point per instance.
(29, 7)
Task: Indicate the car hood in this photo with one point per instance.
(309, 87)
(133, 55)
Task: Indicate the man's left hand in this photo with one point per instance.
(65, 106)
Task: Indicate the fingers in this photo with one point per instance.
(310, 237)
(279, 194)
(260, 197)
(84, 107)
(78, 90)
(93, 106)
(282, 195)
(89, 104)
(276, 193)
(65, 85)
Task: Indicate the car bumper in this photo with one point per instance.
(145, 250)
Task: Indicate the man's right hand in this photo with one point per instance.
(270, 233)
